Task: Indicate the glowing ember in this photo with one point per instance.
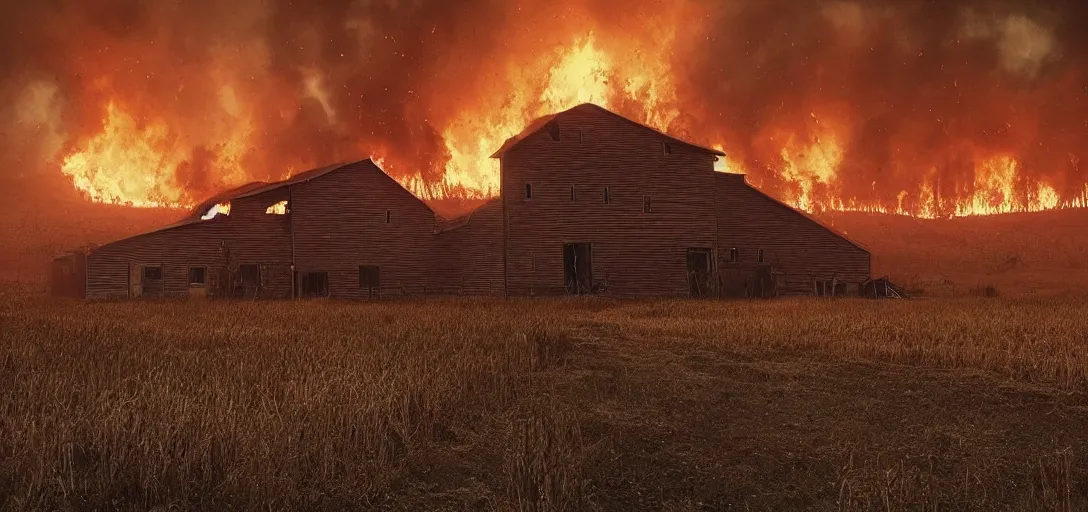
(219, 209)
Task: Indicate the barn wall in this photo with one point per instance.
(792, 243)
(340, 224)
(634, 253)
(252, 236)
(467, 258)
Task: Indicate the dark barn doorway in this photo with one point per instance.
(700, 271)
(315, 285)
(578, 268)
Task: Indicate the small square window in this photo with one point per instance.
(734, 255)
(197, 276)
(250, 275)
(607, 196)
(528, 191)
(152, 273)
(645, 204)
(315, 284)
(388, 216)
(759, 255)
(573, 193)
(369, 276)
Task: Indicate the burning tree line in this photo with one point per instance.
(920, 108)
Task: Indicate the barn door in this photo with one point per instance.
(578, 268)
(700, 272)
(135, 280)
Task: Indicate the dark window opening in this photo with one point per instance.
(315, 284)
(646, 204)
(573, 193)
(388, 216)
(528, 191)
(553, 130)
(734, 255)
(250, 275)
(579, 135)
(370, 280)
(197, 276)
(607, 196)
(152, 273)
(759, 255)
(667, 148)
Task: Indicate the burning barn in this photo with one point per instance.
(347, 230)
(590, 203)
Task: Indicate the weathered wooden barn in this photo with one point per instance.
(347, 230)
(596, 203)
(590, 203)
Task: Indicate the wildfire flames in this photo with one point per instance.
(836, 105)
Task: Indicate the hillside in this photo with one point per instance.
(1021, 253)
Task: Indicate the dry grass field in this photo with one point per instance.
(966, 404)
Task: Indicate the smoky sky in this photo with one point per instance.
(915, 85)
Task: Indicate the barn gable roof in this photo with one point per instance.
(445, 225)
(259, 187)
(541, 122)
(739, 178)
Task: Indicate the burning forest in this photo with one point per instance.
(927, 109)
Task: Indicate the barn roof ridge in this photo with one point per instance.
(538, 123)
(260, 187)
(443, 225)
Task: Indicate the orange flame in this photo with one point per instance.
(138, 163)
(216, 210)
(125, 164)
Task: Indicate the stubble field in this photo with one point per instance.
(965, 404)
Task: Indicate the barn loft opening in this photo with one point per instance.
(216, 210)
(279, 208)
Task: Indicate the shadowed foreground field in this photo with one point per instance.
(545, 405)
